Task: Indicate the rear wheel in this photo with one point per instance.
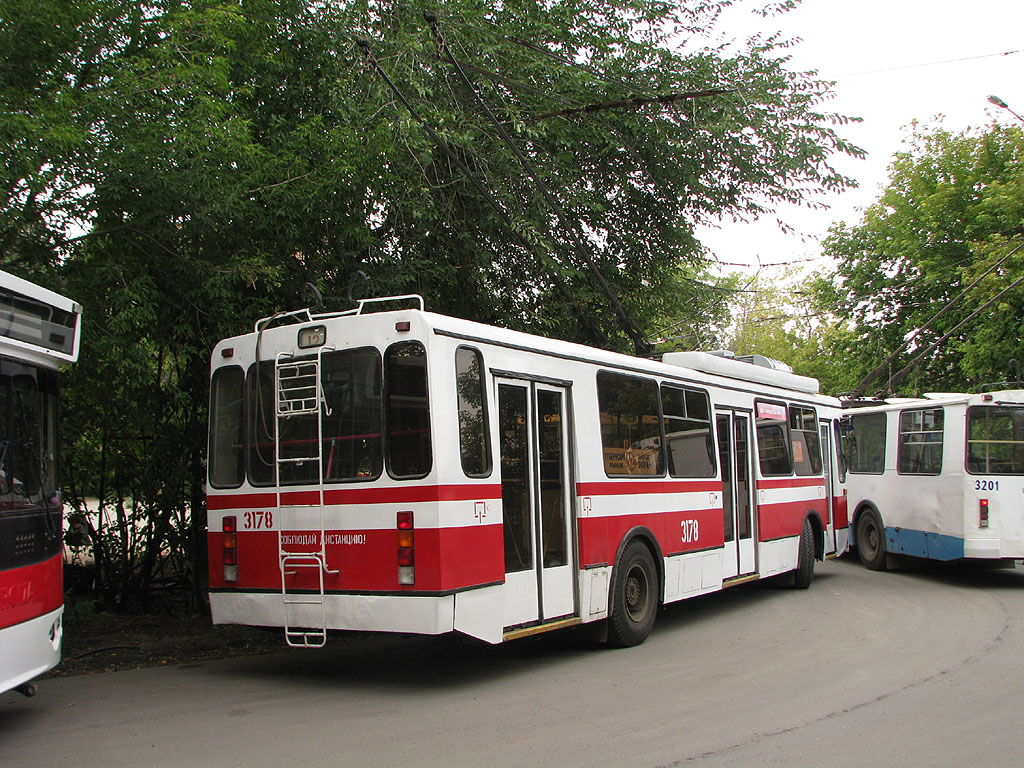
(804, 572)
(634, 597)
(871, 540)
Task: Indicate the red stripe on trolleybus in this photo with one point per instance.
(31, 591)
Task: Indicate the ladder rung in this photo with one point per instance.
(290, 599)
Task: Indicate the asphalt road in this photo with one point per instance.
(912, 668)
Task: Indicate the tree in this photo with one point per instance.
(781, 316)
(948, 224)
(222, 154)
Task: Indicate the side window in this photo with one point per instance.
(407, 410)
(805, 440)
(227, 427)
(773, 440)
(867, 444)
(469, 383)
(351, 417)
(920, 448)
(689, 440)
(630, 425)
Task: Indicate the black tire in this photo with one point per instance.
(634, 597)
(871, 540)
(804, 573)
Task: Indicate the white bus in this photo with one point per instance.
(39, 332)
(398, 470)
(939, 477)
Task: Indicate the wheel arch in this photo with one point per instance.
(646, 535)
(818, 528)
(863, 506)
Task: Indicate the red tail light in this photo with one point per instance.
(983, 513)
(229, 542)
(406, 558)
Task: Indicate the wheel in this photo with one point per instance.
(804, 572)
(634, 597)
(871, 540)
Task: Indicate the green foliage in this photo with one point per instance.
(182, 168)
(782, 316)
(953, 209)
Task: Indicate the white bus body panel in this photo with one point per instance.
(30, 648)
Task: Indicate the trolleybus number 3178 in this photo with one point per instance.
(690, 531)
(262, 519)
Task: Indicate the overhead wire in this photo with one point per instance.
(629, 326)
(861, 388)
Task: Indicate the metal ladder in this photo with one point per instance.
(298, 395)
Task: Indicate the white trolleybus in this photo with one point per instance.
(39, 332)
(939, 477)
(398, 470)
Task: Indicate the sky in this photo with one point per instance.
(893, 61)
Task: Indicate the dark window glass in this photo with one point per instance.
(838, 429)
(920, 448)
(262, 429)
(552, 478)
(630, 428)
(351, 421)
(30, 511)
(469, 381)
(805, 440)
(688, 434)
(227, 427)
(408, 410)
(773, 440)
(515, 478)
(995, 440)
(867, 444)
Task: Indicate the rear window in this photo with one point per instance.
(995, 440)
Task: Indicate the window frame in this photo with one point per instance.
(711, 444)
(387, 405)
(967, 439)
(484, 412)
(760, 422)
(901, 445)
(213, 443)
(852, 465)
(658, 439)
(805, 414)
(379, 467)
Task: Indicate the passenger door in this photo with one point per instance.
(535, 450)
(735, 453)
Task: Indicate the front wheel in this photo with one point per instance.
(634, 597)
(871, 540)
(804, 572)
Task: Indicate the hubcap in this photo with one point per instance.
(636, 593)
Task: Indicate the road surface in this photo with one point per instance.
(909, 668)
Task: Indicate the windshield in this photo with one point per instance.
(30, 511)
(28, 444)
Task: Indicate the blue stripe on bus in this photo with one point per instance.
(934, 546)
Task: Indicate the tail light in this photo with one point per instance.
(229, 541)
(983, 513)
(406, 559)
